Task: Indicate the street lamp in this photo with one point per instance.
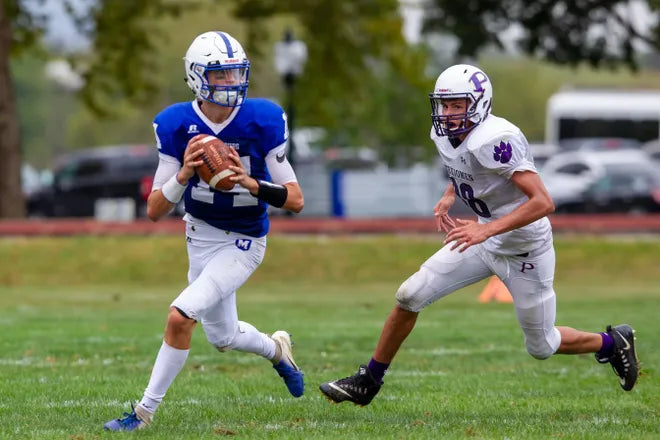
(67, 82)
(290, 57)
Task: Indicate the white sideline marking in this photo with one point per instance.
(92, 403)
(19, 362)
(609, 420)
(462, 351)
(104, 339)
(232, 399)
(95, 403)
(416, 373)
(301, 426)
(41, 363)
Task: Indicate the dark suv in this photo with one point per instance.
(83, 181)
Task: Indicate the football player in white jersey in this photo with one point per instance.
(225, 230)
(491, 170)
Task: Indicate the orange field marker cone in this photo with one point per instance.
(495, 290)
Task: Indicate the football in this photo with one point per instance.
(215, 169)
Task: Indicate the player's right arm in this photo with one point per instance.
(171, 180)
(441, 210)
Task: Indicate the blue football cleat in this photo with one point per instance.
(286, 367)
(136, 419)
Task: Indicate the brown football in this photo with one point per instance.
(215, 169)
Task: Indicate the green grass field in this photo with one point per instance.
(82, 318)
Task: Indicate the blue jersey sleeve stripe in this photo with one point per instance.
(230, 52)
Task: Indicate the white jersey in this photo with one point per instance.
(480, 169)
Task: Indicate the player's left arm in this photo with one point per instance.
(283, 192)
(281, 172)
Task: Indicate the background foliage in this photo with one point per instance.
(363, 83)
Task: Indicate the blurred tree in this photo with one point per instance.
(363, 83)
(123, 59)
(17, 30)
(30, 88)
(123, 34)
(131, 121)
(600, 32)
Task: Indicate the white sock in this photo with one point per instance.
(251, 340)
(168, 363)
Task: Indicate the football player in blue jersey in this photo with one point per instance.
(225, 230)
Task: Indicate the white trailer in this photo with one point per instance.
(587, 113)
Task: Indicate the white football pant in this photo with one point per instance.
(529, 279)
(220, 262)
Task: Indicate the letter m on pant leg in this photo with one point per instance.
(243, 244)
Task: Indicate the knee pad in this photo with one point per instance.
(219, 339)
(540, 344)
(414, 293)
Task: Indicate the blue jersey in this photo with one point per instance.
(254, 129)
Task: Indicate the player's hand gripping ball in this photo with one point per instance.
(215, 169)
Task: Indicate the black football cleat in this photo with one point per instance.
(360, 388)
(623, 358)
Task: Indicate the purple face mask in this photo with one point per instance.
(454, 124)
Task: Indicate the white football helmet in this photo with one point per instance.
(461, 81)
(213, 51)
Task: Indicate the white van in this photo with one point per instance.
(587, 113)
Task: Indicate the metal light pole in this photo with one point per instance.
(67, 81)
(290, 57)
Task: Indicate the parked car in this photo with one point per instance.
(634, 190)
(97, 181)
(652, 148)
(568, 175)
(542, 152)
(598, 144)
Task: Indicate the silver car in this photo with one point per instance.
(568, 175)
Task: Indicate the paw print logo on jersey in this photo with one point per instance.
(502, 152)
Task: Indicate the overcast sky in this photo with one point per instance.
(61, 31)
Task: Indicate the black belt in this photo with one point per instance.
(526, 254)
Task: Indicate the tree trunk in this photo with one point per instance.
(12, 203)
